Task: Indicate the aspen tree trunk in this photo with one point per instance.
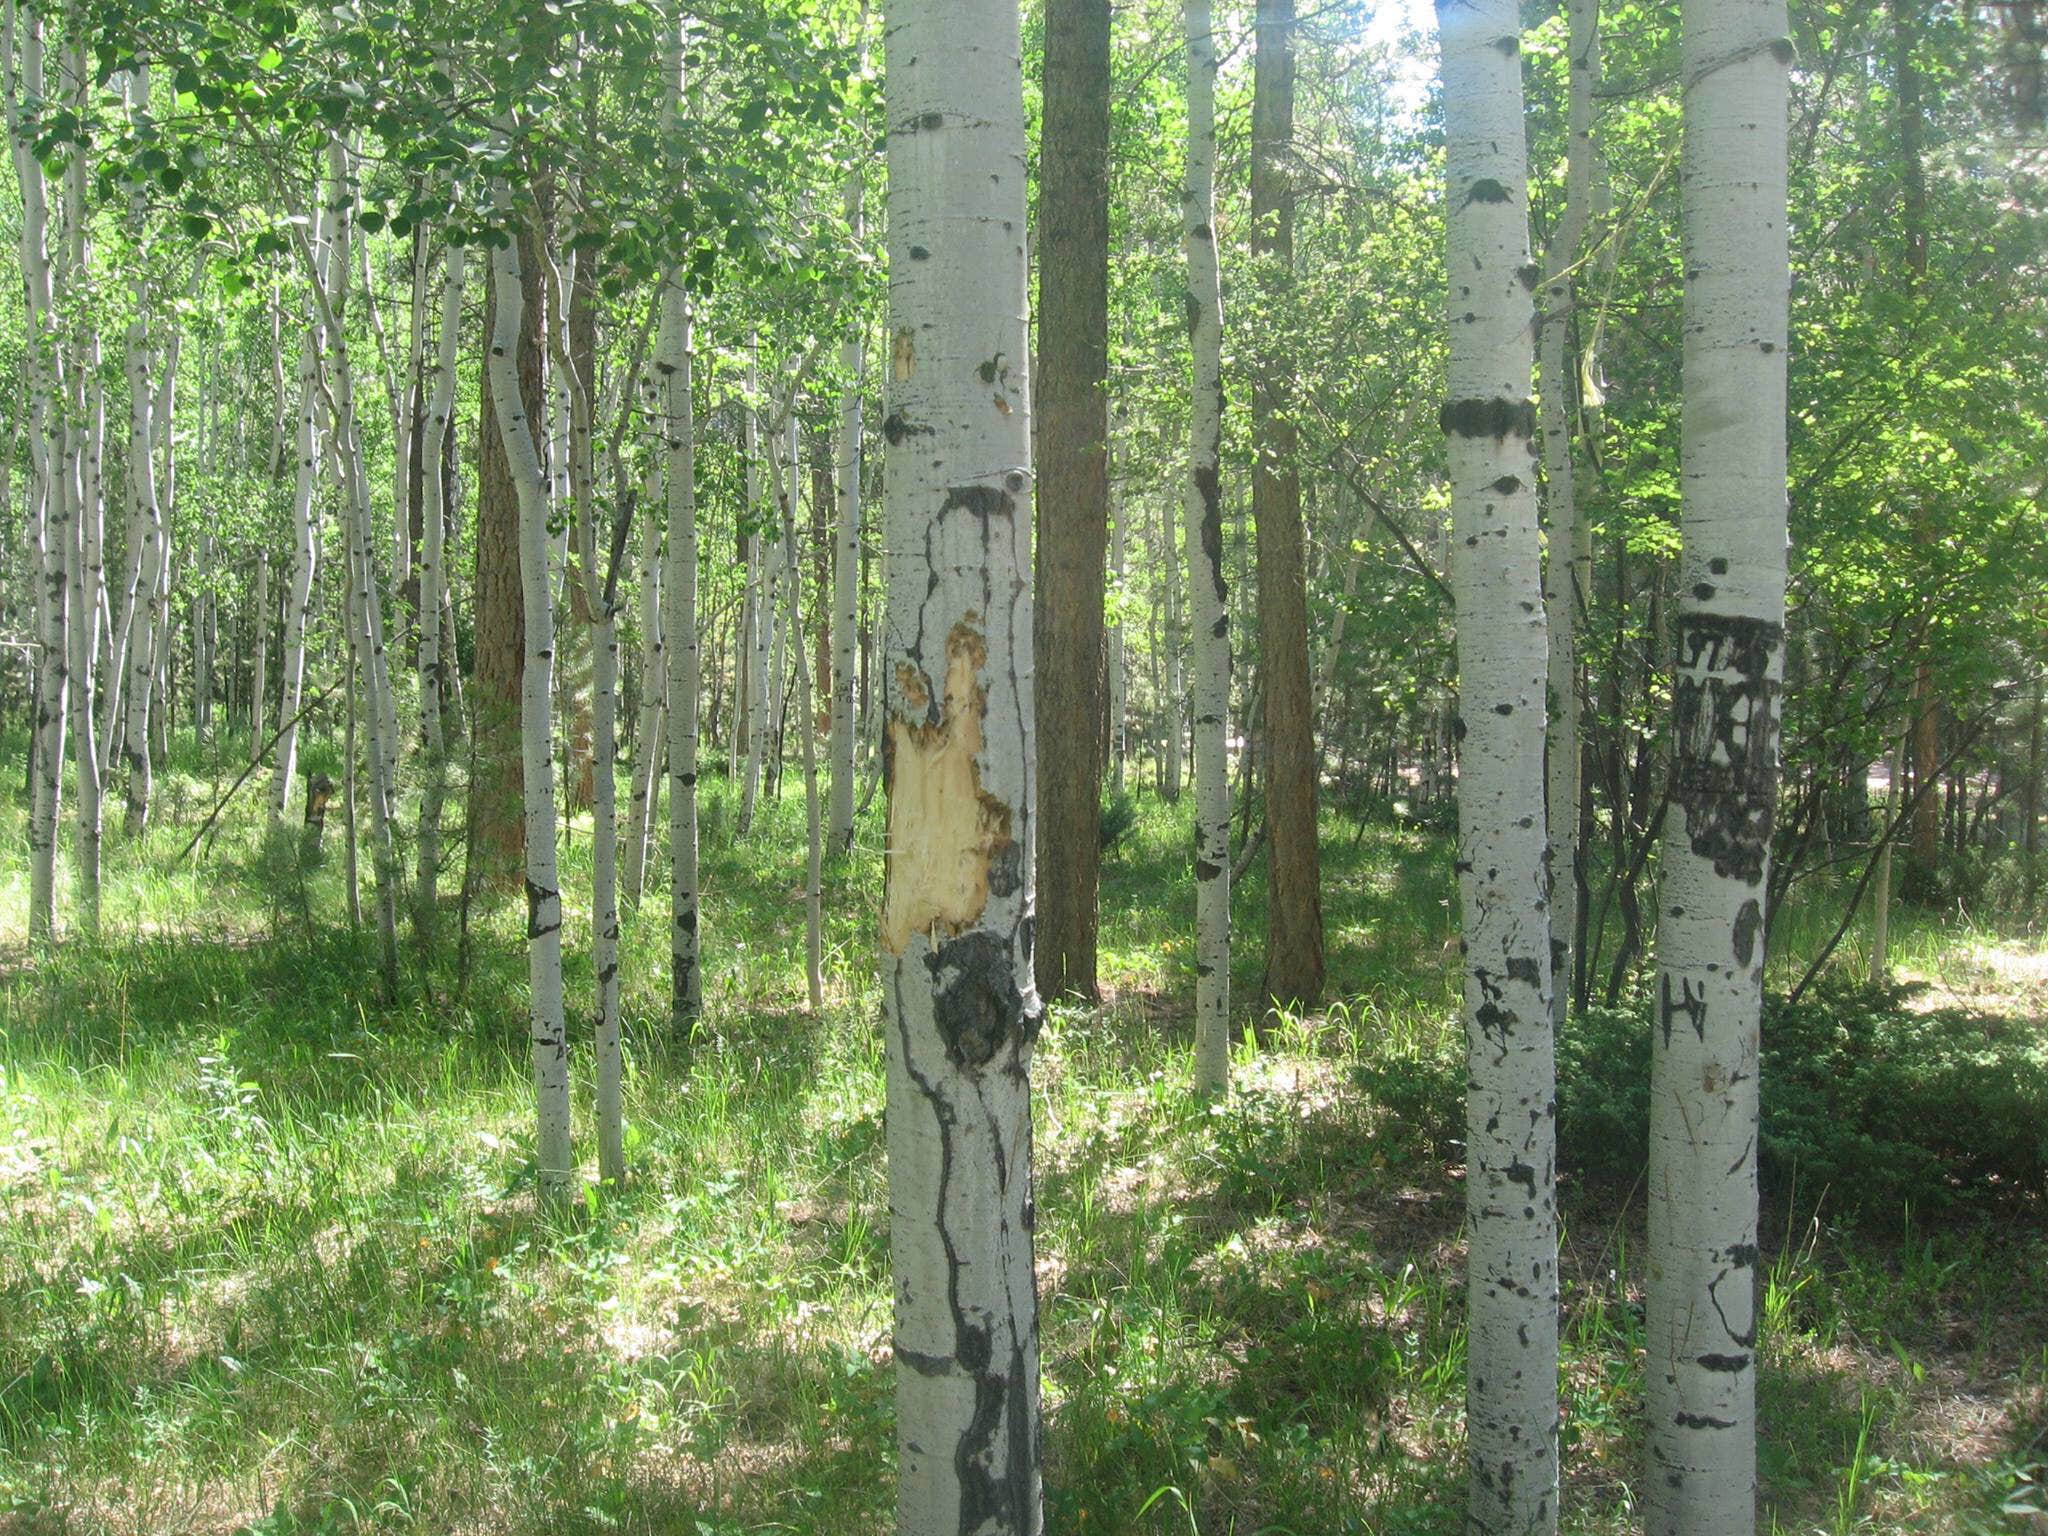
(145, 518)
(261, 683)
(543, 892)
(298, 599)
(1496, 573)
(330, 289)
(814, 870)
(650, 735)
(1209, 599)
(679, 627)
(1294, 935)
(1119, 662)
(962, 1010)
(1072, 450)
(846, 557)
(1881, 897)
(1568, 569)
(1700, 1321)
(433, 586)
(1171, 702)
(575, 357)
(84, 420)
(760, 607)
(45, 363)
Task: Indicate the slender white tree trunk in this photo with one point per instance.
(679, 639)
(650, 735)
(1173, 700)
(1728, 672)
(330, 289)
(260, 681)
(1119, 700)
(543, 890)
(1567, 568)
(1496, 572)
(304, 552)
(85, 576)
(1209, 599)
(433, 587)
(962, 1007)
(574, 347)
(760, 608)
(846, 559)
(814, 869)
(51, 523)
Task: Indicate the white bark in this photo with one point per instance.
(1567, 570)
(1172, 700)
(846, 557)
(962, 1010)
(45, 366)
(330, 291)
(1728, 672)
(679, 636)
(600, 591)
(83, 426)
(760, 608)
(433, 588)
(543, 891)
(1489, 420)
(1119, 701)
(814, 877)
(1209, 599)
(260, 682)
(649, 736)
(305, 468)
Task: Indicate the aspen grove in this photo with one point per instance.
(1006, 766)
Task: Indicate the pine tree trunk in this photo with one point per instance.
(962, 1010)
(507, 390)
(1072, 454)
(1700, 1321)
(1496, 578)
(1294, 934)
(1209, 599)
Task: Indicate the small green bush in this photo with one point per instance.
(1863, 1096)
(1119, 816)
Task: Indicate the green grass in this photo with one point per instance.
(270, 1258)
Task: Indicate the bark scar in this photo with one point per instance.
(945, 831)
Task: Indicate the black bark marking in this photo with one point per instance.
(1701, 1421)
(1728, 1363)
(1690, 1003)
(1724, 770)
(1498, 418)
(1522, 968)
(1748, 923)
(1507, 485)
(975, 999)
(536, 897)
(1212, 526)
(896, 427)
(1486, 190)
(919, 253)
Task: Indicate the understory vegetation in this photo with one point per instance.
(271, 1258)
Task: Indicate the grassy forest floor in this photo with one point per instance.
(270, 1258)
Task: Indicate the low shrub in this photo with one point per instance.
(1865, 1096)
